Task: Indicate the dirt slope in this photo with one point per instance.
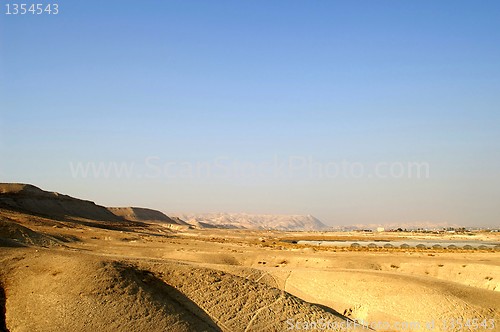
(14, 235)
(30, 199)
(141, 214)
(54, 291)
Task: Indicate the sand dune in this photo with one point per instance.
(86, 293)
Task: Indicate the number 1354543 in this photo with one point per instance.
(31, 9)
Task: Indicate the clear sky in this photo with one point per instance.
(173, 84)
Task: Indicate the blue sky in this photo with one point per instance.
(249, 81)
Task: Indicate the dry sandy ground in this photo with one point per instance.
(74, 277)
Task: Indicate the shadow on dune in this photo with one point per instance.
(336, 313)
(10, 243)
(163, 293)
(3, 326)
(332, 311)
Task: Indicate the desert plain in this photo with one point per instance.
(72, 265)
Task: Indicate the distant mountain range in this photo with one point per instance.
(27, 198)
(254, 221)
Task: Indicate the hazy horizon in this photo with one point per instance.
(355, 113)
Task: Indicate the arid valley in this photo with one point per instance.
(239, 166)
(72, 265)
